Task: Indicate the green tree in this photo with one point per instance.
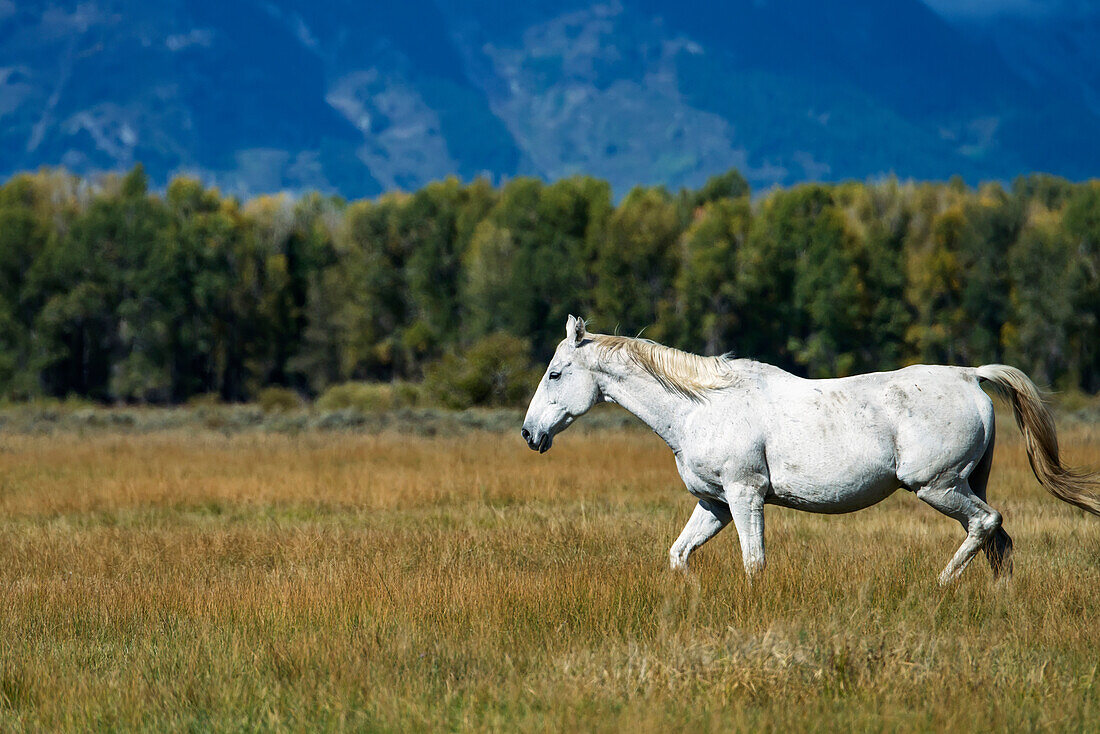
(782, 232)
(495, 371)
(28, 220)
(936, 276)
(879, 216)
(1037, 335)
(1050, 192)
(493, 293)
(115, 293)
(526, 267)
(436, 226)
(636, 265)
(707, 280)
(728, 185)
(293, 241)
(196, 259)
(1082, 225)
(368, 288)
(98, 321)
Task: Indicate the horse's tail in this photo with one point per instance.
(1070, 485)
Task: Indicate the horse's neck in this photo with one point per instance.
(642, 395)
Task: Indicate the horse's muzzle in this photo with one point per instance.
(537, 442)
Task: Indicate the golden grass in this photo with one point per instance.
(176, 581)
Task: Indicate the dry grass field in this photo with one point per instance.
(198, 581)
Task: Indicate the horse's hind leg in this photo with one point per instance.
(998, 549)
(980, 520)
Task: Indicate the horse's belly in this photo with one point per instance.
(836, 484)
(831, 499)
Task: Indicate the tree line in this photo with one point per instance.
(114, 292)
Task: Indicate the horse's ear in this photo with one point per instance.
(574, 330)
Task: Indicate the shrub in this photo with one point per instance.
(368, 397)
(206, 399)
(278, 399)
(495, 371)
(345, 419)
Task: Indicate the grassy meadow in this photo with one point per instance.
(198, 579)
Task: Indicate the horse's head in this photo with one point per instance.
(566, 392)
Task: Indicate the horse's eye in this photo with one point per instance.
(554, 375)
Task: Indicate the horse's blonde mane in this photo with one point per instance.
(680, 372)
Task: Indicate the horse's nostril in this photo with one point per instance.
(526, 434)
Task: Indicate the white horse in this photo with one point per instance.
(746, 434)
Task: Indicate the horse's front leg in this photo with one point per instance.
(707, 519)
(746, 504)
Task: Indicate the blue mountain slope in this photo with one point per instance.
(357, 98)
